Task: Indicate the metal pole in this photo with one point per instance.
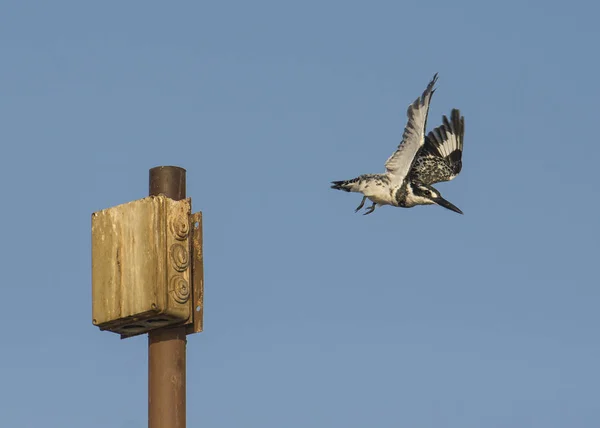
(166, 347)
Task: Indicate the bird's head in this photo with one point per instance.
(425, 194)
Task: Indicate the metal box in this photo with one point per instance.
(141, 275)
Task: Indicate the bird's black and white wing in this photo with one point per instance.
(440, 159)
(399, 164)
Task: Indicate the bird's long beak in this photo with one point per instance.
(444, 203)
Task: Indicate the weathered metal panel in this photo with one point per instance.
(197, 275)
(140, 265)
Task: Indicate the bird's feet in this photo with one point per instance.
(362, 204)
(370, 209)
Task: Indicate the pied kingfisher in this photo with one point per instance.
(420, 161)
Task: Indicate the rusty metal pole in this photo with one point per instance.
(167, 347)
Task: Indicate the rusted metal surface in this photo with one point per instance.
(167, 347)
(197, 275)
(168, 181)
(167, 378)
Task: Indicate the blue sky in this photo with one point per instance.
(314, 316)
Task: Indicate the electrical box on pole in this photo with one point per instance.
(147, 266)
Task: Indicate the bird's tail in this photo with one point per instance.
(345, 185)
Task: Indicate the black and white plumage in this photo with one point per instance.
(419, 161)
(440, 158)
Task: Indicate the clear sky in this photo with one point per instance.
(314, 316)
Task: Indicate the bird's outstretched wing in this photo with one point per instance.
(440, 159)
(399, 164)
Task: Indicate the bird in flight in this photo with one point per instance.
(419, 161)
